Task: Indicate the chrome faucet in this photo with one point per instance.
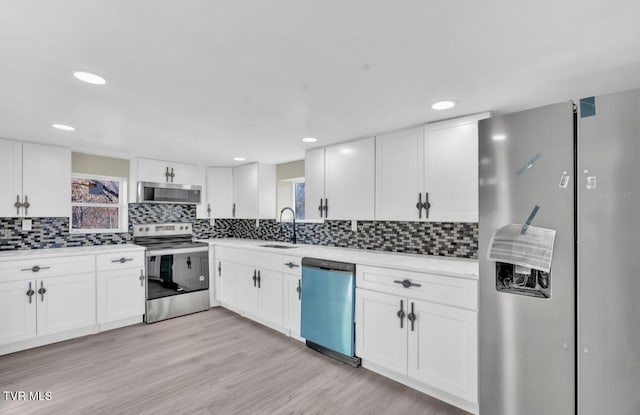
(293, 239)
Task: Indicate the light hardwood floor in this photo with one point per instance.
(214, 362)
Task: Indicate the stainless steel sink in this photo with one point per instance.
(278, 246)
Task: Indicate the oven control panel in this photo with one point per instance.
(161, 229)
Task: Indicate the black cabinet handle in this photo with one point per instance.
(141, 277)
(41, 291)
(172, 175)
(401, 314)
(233, 211)
(299, 290)
(30, 292)
(208, 210)
(219, 268)
(255, 277)
(259, 279)
(122, 260)
(326, 208)
(34, 268)
(426, 205)
(407, 283)
(166, 174)
(412, 316)
(292, 265)
(26, 205)
(18, 205)
(321, 207)
(419, 206)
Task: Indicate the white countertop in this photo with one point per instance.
(456, 267)
(57, 252)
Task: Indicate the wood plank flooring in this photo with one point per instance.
(214, 362)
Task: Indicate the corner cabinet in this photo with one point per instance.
(340, 181)
(36, 180)
(429, 172)
(423, 332)
(219, 194)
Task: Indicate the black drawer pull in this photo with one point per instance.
(292, 265)
(122, 260)
(407, 283)
(34, 268)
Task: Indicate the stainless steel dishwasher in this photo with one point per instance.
(328, 308)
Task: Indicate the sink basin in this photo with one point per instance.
(278, 246)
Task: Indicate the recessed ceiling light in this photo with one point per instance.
(499, 137)
(90, 78)
(239, 158)
(309, 139)
(63, 127)
(443, 105)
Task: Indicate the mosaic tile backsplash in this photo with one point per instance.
(428, 238)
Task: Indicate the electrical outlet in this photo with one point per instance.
(27, 224)
(354, 226)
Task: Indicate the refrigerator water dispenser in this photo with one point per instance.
(515, 279)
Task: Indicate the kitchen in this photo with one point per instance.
(151, 152)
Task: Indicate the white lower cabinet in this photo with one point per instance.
(292, 305)
(17, 311)
(230, 273)
(270, 297)
(381, 336)
(248, 293)
(443, 348)
(426, 343)
(121, 294)
(68, 303)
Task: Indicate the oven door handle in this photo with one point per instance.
(176, 251)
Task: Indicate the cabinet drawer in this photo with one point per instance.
(250, 258)
(46, 267)
(291, 265)
(459, 292)
(122, 260)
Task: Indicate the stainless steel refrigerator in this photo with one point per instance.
(565, 340)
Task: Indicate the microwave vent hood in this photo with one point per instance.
(150, 192)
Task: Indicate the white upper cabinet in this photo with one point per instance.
(254, 191)
(399, 174)
(429, 173)
(451, 169)
(37, 180)
(160, 171)
(314, 183)
(350, 180)
(219, 192)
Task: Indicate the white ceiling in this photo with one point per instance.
(204, 81)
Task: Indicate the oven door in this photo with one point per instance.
(174, 273)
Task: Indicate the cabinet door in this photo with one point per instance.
(11, 173)
(231, 273)
(350, 180)
(121, 294)
(46, 180)
(152, 171)
(443, 349)
(17, 313)
(380, 336)
(271, 296)
(245, 191)
(451, 169)
(220, 192)
(69, 303)
(248, 292)
(291, 303)
(183, 173)
(399, 174)
(314, 183)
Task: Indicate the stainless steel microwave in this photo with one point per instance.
(150, 192)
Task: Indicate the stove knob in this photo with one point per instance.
(140, 229)
(146, 229)
(181, 228)
(186, 228)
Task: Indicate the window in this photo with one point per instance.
(98, 204)
(298, 199)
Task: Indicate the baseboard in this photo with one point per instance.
(44, 340)
(421, 387)
(120, 323)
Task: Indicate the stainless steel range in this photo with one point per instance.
(177, 270)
